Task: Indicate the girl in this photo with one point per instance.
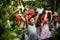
(45, 33)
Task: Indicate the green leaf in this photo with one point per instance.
(6, 17)
(16, 39)
(13, 34)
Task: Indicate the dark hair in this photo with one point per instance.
(33, 16)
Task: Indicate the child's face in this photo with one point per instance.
(32, 20)
(56, 19)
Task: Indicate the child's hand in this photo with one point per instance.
(46, 11)
(39, 10)
(50, 11)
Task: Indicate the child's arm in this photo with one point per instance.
(39, 12)
(36, 18)
(45, 15)
(45, 18)
(27, 21)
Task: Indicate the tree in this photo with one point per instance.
(8, 32)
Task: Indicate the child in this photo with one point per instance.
(32, 28)
(45, 33)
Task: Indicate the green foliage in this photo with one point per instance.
(58, 10)
(34, 4)
(56, 34)
(9, 35)
(22, 31)
(6, 32)
(9, 29)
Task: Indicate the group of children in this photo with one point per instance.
(48, 23)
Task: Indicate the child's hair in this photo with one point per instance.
(33, 16)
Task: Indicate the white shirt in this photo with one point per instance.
(32, 29)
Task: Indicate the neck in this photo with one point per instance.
(30, 24)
